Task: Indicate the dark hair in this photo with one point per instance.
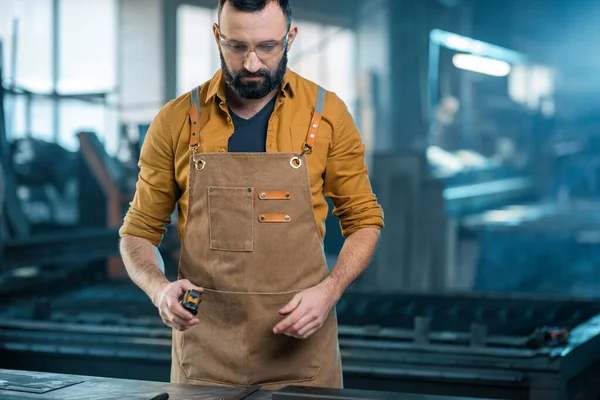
(257, 5)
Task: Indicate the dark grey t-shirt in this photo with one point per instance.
(250, 135)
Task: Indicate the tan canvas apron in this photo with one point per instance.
(252, 241)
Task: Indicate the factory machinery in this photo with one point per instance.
(482, 346)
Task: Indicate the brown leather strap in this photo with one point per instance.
(195, 120)
(313, 129)
(311, 138)
(275, 218)
(274, 195)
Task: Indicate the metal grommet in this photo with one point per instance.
(262, 218)
(314, 125)
(211, 189)
(199, 164)
(263, 195)
(193, 133)
(287, 195)
(249, 190)
(195, 123)
(296, 162)
(287, 217)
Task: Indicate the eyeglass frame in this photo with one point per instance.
(282, 43)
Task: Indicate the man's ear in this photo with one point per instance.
(217, 35)
(292, 35)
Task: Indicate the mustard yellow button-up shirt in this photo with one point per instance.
(336, 167)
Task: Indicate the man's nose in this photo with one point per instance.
(252, 62)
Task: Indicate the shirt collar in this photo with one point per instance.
(216, 86)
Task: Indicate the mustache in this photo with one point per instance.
(258, 74)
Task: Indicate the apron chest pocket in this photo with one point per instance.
(231, 215)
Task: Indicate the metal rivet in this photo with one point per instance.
(314, 125)
(249, 190)
(193, 133)
(287, 195)
(287, 217)
(212, 189)
(262, 218)
(312, 135)
(195, 123)
(262, 195)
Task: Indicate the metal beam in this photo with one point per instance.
(55, 68)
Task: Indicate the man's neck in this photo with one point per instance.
(247, 108)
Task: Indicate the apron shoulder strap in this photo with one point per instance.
(311, 137)
(313, 129)
(195, 119)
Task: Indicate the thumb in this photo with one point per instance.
(291, 306)
(187, 285)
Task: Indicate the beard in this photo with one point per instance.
(256, 89)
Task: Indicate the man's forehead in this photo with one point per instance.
(253, 35)
(266, 24)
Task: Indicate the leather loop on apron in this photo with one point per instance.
(275, 195)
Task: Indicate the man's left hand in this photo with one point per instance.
(306, 312)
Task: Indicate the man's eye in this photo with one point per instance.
(266, 47)
(238, 47)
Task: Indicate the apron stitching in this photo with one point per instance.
(242, 385)
(307, 190)
(190, 199)
(252, 212)
(251, 293)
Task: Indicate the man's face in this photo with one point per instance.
(254, 85)
(253, 49)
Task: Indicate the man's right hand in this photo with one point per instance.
(167, 302)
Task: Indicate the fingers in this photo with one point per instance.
(292, 305)
(187, 285)
(308, 330)
(176, 308)
(175, 322)
(300, 324)
(180, 322)
(170, 321)
(288, 322)
(171, 311)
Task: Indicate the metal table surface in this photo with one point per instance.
(96, 388)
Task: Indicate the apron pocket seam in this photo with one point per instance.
(231, 218)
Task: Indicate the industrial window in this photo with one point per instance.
(85, 59)
(87, 49)
(197, 54)
(32, 21)
(26, 63)
(325, 55)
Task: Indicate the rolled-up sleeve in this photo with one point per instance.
(346, 179)
(156, 189)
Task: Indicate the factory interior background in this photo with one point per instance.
(482, 129)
